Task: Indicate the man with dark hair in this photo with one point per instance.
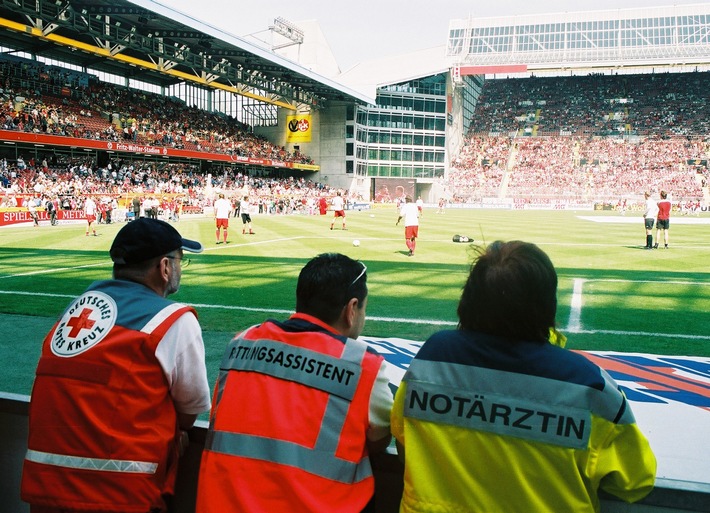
(136, 206)
(245, 209)
(410, 213)
(497, 416)
(222, 208)
(663, 220)
(120, 379)
(338, 204)
(299, 405)
(90, 210)
(649, 218)
(51, 208)
(32, 209)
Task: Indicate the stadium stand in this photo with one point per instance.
(597, 137)
(593, 138)
(43, 99)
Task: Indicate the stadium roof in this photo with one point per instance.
(671, 38)
(148, 41)
(367, 76)
(660, 37)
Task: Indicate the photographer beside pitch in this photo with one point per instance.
(495, 416)
(120, 378)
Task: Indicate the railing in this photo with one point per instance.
(667, 497)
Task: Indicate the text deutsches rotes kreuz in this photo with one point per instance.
(84, 324)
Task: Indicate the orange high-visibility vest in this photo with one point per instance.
(289, 421)
(102, 425)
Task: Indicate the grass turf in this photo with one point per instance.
(613, 294)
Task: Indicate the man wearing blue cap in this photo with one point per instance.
(120, 378)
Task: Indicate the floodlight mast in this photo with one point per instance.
(288, 30)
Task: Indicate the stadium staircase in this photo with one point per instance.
(509, 165)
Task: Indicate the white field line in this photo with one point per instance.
(407, 320)
(657, 282)
(212, 246)
(640, 334)
(289, 312)
(434, 322)
(36, 294)
(255, 243)
(56, 269)
(574, 323)
(637, 219)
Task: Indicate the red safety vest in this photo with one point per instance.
(288, 424)
(102, 425)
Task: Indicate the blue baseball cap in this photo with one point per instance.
(144, 238)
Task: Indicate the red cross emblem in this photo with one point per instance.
(82, 322)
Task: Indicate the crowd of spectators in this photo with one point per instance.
(69, 183)
(588, 138)
(604, 168)
(592, 138)
(103, 111)
(479, 168)
(660, 104)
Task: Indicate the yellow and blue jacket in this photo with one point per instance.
(492, 425)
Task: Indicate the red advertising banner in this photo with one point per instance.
(20, 216)
(131, 147)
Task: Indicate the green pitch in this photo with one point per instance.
(613, 295)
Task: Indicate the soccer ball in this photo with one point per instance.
(356, 243)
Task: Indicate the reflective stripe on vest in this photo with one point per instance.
(63, 460)
(336, 376)
(339, 377)
(288, 453)
(507, 403)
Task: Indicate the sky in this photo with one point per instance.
(362, 30)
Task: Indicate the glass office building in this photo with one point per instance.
(404, 135)
(405, 139)
(407, 134)
(418, 124)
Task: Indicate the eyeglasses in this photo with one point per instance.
(362, 273)
(184, 262)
